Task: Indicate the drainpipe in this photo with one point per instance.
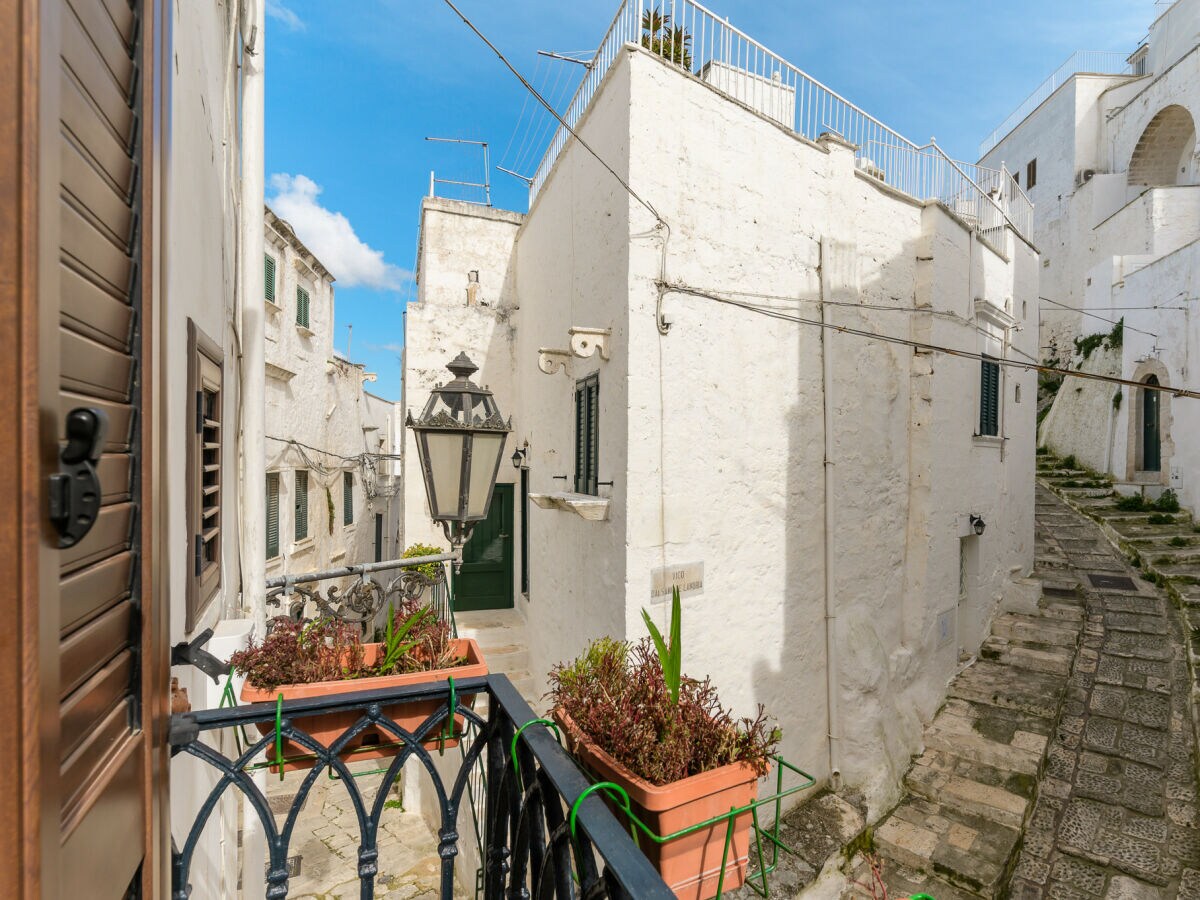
(831, 647)
(254, 489)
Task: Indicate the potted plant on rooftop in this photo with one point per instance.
(633, 718)
(326, 657)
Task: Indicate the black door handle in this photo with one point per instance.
(75, 489)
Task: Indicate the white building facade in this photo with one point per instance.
(684, 415)
(332, 495)
(1117, 220)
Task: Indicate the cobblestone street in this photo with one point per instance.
(1116, 814)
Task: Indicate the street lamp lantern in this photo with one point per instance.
(460, 441)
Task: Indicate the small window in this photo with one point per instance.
(301, 306)
(269, 277)
(301, 519)
(989, 397)
(1031, 173)
(272, 515)
(203, 472)
(587, 434)
(347, 498)
(1017, 178)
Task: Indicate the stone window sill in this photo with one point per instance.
(988, 440)
(302, 546)
(586, 506)
(272, 307)
(305, 330)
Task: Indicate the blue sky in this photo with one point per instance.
(355, 86)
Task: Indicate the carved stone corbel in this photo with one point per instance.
(550, 360)
(586, 341)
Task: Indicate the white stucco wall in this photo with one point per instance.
(201, 222)
(319, 419)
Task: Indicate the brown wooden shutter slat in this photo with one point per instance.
(109, 535)
(87, 650)
(120, 418)
(87, 592)
(94, 77)
(103, 829)
(91, 251)
(93, 312)
(123, 19)
(80, 767)
(114, 470)
(112, 48)
(92, 369)
(84, 709)
(94, 194)
(95, 135)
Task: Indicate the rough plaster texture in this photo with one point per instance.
(315, 398)
(714, 434)
(1083, 420)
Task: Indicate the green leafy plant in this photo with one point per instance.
(1167, 501)
(1132, 503)
(429, 570)
(394, 644)
(329, 505)
(1070, 462)
(670, 656)
(662, 38)
(1179, 541)
(1116, 401)
(1043, 451)
(1160, 519)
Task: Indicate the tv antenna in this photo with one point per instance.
(586, 63)
(486, 184)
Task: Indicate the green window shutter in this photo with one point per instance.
(989, 397)
(272, 515)
(269, 276)
(587, 434)
(301, 505)
(301, 307)
(347, 498)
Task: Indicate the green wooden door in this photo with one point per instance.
(486, 578)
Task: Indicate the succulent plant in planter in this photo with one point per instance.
(328, 657)
(633, 718)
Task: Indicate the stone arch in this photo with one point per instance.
(1147, 370)
(1163, 154)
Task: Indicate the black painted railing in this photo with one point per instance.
(530, 848)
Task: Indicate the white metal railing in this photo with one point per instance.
(1101, 62)
(727, 59)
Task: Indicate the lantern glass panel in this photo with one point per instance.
(484, 457)
(445, 464)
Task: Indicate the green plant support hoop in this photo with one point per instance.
(549, 723)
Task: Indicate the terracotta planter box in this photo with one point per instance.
(328, 728)
(690, 865)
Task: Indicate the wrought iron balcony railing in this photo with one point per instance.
(530, 847)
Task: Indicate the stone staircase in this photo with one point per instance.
(501, 636)
(957, 833)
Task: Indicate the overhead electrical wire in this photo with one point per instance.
(775, 313)
(1098, 316)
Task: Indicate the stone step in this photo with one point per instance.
(1035, 657)
(1054, 584)
(1035, 629)
(1065, 612)
(1002, 739)
(968, 851)
(993, 684)
(995, 794)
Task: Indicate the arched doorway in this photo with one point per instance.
(1151, 440)
(1163, 155)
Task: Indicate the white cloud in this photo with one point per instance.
(331, 237)
(276, 10)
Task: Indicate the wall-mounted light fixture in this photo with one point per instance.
(520, 457)
(977, 524)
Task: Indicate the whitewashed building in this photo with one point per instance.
(685, 418)
(331, 480)
(1117, 218)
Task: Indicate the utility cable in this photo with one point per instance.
(1098, 316)
(929, 348)
(542, 100)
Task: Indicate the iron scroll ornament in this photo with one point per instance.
(358, 605)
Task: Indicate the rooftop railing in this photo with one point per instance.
(1097, 62)
(706, 47)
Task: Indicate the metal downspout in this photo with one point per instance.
(831, 646)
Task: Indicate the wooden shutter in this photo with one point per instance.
(301, 519)
(587, 435)
(203, 472)
(347, 498)
(269, 276)
(272, 515)
(301, 307)
(99, 282)
(989, 397)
